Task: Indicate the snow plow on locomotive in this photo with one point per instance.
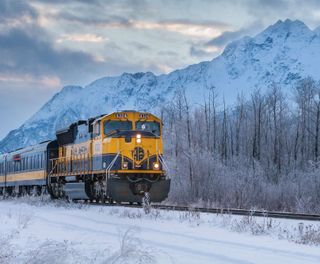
(116, 157)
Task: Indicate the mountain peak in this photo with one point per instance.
(273, 56)
(287, 27)
(71, 88)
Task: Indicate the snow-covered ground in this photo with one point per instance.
(35, 231)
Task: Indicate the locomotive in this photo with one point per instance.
(114, 157)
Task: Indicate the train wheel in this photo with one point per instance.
(56, 190)
(35, 191)
(43, 190)
(15, 191)
(23, 191)
(8, 192)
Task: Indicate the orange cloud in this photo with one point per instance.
(206, 30)
(81, 38)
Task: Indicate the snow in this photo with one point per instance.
(273, 56)
(93, 234)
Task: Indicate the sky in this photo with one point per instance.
(45, 45)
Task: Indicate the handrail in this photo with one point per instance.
(163, 163)
(70, 165)
(108, 170)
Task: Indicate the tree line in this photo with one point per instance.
(263, 152)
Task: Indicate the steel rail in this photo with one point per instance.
(227, 211)
(243, 212)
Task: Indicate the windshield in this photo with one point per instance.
(149, 126)
(110, 126)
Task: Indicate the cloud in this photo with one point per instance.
(200, 29)
(42, 81)
(225, 38)
(168, 53)
(253, 4)
(228, 36)
(203, 51)
(184, 27)
(112, 21)
(140, 46)
(29, 54)
(10, 10)
(30, 51)
(81, 38)
(269, 11)
(215, 46)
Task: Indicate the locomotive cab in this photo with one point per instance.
(130, 146)
(115, 157)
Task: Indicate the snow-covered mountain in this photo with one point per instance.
(283, 53)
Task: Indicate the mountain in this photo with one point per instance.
(283, 53)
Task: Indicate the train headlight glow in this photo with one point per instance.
(125, 165)
(138, 139)
(156, 166)
(139, 136)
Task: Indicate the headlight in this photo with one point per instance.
(125, 165)
(139, 136)
(156, 166)
(138, 139)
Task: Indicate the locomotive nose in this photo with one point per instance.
(138, 153)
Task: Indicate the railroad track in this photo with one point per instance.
(283, 215)
(243, 212)
(230, 211)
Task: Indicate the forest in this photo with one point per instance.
(261, 153)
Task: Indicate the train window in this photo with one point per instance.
(110, 126)
(96, 129)
(35, 161)
(149, 126)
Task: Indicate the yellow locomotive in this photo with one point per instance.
(115, 157)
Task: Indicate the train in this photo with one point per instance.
(116, 157)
